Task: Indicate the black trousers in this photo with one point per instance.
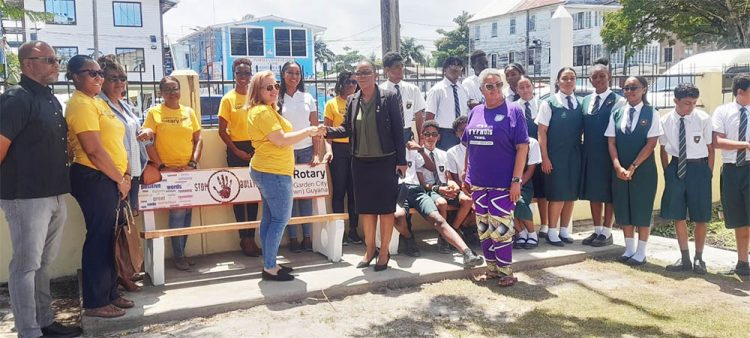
(343, 184)
(99, 199)
(249, 211)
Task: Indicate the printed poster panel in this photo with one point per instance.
(207, 187)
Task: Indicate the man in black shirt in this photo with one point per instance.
(34, 176)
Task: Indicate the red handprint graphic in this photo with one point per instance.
(226, 189)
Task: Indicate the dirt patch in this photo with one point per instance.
(66, 304)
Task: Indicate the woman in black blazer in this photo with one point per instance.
(374, 124)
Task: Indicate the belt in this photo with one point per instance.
(691, 160)
(747, 163)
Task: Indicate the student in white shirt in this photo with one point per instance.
(524, 219)
(457, 155)
(513, 73)
(447, 100)
(412, 101)
(633, 131)
(687, 158)
(301, 110)
(732, 136)
(479, 62)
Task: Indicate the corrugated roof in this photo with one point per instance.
(502, 7)
(531, 4)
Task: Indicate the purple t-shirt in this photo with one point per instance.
(491, 136)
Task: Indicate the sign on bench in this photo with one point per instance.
(225, 186)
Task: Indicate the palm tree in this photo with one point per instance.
(13, 9)
(322, 53)
(412, 52)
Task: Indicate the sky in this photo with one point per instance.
(353, 23)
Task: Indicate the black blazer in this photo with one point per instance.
(389, 119)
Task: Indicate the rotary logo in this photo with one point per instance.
(223, 186)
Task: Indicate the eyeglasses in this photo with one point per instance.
(171, 90)
(456, 68)
(50, 60)
(363, 74)
(430, 134)
(117, 78)
(243, 74)
(272, 87)
(493, 86)
(631, 88)
(91, 72)
(350, 83)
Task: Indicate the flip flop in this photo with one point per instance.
(507, 281)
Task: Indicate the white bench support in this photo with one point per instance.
(153, 251)
(327, 236)
(393, 246)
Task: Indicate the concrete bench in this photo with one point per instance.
(393, 247)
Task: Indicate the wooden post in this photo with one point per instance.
(390, 26)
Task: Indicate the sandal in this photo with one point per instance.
(107, 311)
(485, 276)
(531, 243)
(123, 303)
(506, 281)
(519, 243)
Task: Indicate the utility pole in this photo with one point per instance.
(96, 31)
(526, 52)
(390, 27)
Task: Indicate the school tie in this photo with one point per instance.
(528, 111)
(741, 154)
(682, 159)
(570, 102)
(628, 129)
(455, 99)
(596, 105)
(400, 102)
(435, 172)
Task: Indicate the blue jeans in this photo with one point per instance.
(179, 218)
(276, 195)
(302, 207)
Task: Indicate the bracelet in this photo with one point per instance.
(193, 164)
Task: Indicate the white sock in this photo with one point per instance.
(564, 233)
(523, 234)
(552, 234)
(598, 230)
(629, 247)
(640, 253)
(543, 228)
(607, 232)
(532, 235)
(570, 227)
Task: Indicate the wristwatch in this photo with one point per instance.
(162, 167)
(193, 164)
(515, 179)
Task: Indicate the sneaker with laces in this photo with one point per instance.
(471, 259)
(680, 266)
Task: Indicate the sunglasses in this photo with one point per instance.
(363, 74)
(91, 72)
(50, 60)
(171, 90)
(117, 78)
(350, 83)
(493, 86)
(243, 74)
(631, 88)
(430, 134)
(272, 87)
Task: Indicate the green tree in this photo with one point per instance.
(724, 23)
(454, 42)
(14, 10)
(348, 60)
(412, 52)
(322, 52)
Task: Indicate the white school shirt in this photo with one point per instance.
(654, 131)
(602, 97)
(535, 152)
(414, 160)
(411, 99)
(441, 103)
(441, 163)
(545, 111)
(297, 110)
(471, 84)
(698, 133)
(456, 159)
(726, 120)
(533, 105)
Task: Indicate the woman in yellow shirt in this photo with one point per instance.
(177, 147)
(272, 166)
(233, 131)
(341, 165)
(99, 180)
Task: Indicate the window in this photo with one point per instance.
(127, 14)
(494, 29)
(14, 40)
(63, 11)
(512, 26)
(291, 42)
(588, 19)
(511, 57)
(131, 58)
(476, 32)
(596, 19)
(688, 51)
(65, 53)
(493, 60)
(582, 55)
(532, 23)
(246, 41)
(668, 55)
(596, 52)
(578, 21)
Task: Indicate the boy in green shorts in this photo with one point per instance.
(523, 217)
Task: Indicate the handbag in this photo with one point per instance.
(128, 249)
(151, 174)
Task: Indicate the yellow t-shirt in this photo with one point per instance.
(268, 158)
(174, 130)
(233, 111)
(84, 113)
(336, 111)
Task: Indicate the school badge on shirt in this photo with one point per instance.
(499, 117)
(644, 122)
(442, 168)
(696, 139)
(408, 164)
(409, 104)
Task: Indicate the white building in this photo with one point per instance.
(506, 29)
(131, 29)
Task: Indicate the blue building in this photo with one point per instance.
(269, 41)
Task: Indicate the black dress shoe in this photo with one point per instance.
(281, 276)
(557, 243)
(568, 240)
(285, 268)
(633, 262)
(588, 240)
(699, 267)
(623, 258)
(601, 241)
(381, 267)
(363, 264)
(542, 235)
(58, 330)
(680, 266)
